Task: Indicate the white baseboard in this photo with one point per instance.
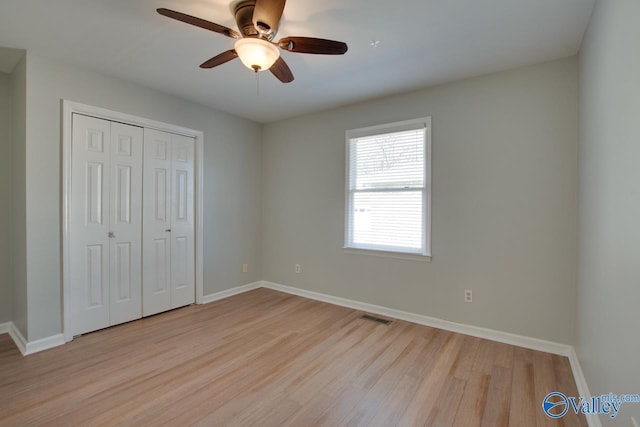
(581, 383)
(30, 347)
(44, 344)
(476, 331)
(18, 338)
(230, 292)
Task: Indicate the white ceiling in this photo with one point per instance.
(422, 43)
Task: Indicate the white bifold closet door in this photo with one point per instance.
(105, 224)
(168, 222)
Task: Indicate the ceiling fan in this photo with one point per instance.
(258, 22)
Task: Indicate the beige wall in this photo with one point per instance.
(609, 266)
(232, 168)
(504, 203)
(6, 141)
(18, 82)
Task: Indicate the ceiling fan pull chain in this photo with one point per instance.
(257, 83)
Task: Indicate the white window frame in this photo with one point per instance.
(349, 247)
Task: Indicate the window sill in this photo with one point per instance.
(387, 254)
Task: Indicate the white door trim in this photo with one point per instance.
(70, 107)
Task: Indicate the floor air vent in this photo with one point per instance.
(375, 319)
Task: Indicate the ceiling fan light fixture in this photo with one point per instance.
(257, 54)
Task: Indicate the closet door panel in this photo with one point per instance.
(182, 222)
(126, 223)
(89, 224)
(156, 229)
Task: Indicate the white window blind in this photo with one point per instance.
(388, 188)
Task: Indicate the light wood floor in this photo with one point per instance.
(266, 358)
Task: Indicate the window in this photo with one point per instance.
(388, 198)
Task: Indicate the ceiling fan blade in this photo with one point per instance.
(198, 22)
(281, 70)
(220, 59)
(312, 45)
(267, 14)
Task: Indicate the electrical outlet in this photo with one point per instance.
(298, 268)
(468, 295)
(245, 268)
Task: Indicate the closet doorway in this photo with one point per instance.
(132, 218)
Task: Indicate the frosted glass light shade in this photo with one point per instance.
(257, 54)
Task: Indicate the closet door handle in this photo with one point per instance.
(111, 235)
(168, 230)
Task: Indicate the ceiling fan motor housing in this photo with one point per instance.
(243, 13)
